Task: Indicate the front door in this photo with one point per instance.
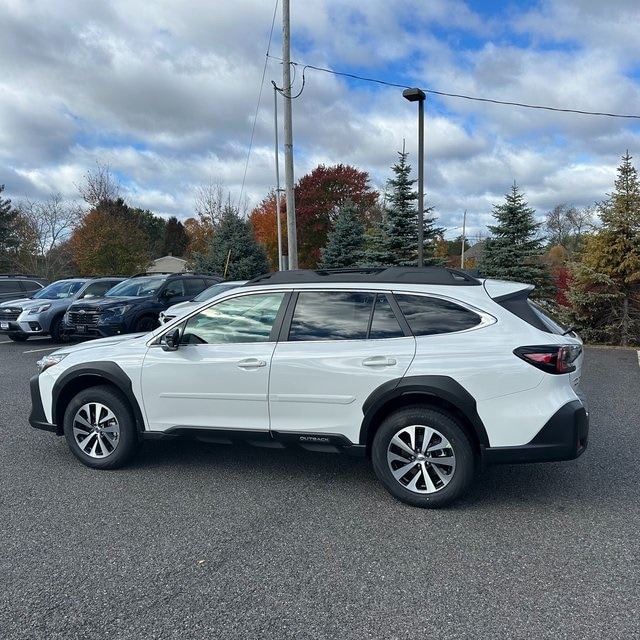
(218, 377)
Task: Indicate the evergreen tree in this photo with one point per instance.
(8, 241)
(515, 248)
(605, 285)
(176, 239)
(233, 251)
(396, 241)
(345, 241)
(400, 225)
(375, 253)
(401, 214)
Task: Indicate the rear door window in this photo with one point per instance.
(430, 316)
(343, 315)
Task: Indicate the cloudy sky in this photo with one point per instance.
(174, 95)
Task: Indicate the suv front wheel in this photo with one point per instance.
(100, 428)
(423, 457)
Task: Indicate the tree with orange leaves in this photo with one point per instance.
(264, 222)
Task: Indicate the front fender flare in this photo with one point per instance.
(110, 372)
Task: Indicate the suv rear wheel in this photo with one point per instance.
(100, 428)
(423, 457)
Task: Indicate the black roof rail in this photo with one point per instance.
(20, 275)
(174, 273)
(413, 275)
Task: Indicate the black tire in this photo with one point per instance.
(406, 464)
(55, 330)
(18, 337)
(100, 428)
(145, 324)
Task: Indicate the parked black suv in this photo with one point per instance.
(13, 285)
(133, 305)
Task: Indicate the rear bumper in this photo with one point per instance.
(564, 437)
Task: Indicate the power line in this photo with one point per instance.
(255, 117)
(466, 97)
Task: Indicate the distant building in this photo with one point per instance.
(473, 254)
(168, 264)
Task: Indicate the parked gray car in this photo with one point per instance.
(42, 313)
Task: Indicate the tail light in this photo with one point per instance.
(554, 359)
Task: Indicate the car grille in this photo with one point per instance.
(85, 317)
(9, 314)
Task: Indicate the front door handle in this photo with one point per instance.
(379, 361)
(251, 363)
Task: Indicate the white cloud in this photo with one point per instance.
(166, 94)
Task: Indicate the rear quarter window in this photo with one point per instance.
(430, 316)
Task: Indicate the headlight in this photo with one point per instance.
(40, 309)
(118, 311)
(50, 360)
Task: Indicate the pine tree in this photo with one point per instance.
(8, 240)
(605, 285)
(233, 251)
(514, 250)
(395, 242)
(345, 242)
(176, 239)
(401, 215)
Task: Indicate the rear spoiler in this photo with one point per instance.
(514, 297)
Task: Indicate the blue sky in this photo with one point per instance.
(167, 93)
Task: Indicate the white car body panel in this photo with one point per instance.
(222, 386)
(321, 386)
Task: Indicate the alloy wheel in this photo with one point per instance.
(96, 430)
(421, 459)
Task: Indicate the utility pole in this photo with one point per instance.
(464, 225)
(278, 220)
(292, 235)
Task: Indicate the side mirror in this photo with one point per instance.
(171, 341)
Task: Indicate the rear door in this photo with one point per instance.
(337, 347)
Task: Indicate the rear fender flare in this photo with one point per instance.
(434, 390)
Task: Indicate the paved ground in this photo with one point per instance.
(197, 541)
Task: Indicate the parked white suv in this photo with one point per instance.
(210, 292)
(429, 372)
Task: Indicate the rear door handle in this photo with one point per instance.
(251, 363)
(379, 361)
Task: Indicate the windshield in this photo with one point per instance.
(215, 289)
(59, 290)
(136, 287)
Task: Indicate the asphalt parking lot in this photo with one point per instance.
(203, 541)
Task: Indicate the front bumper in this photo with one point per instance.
(30, 328)
(92, 330)
(37, 417)
(564, 437)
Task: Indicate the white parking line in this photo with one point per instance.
(38, 350)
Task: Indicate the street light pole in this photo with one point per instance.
(419, 96)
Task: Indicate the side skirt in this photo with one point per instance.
(321, 442)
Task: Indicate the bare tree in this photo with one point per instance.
(581, 219)
(559, 225)
(42, 227)
(99, 186)
(210, 202)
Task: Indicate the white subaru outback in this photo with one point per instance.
(430, 372)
